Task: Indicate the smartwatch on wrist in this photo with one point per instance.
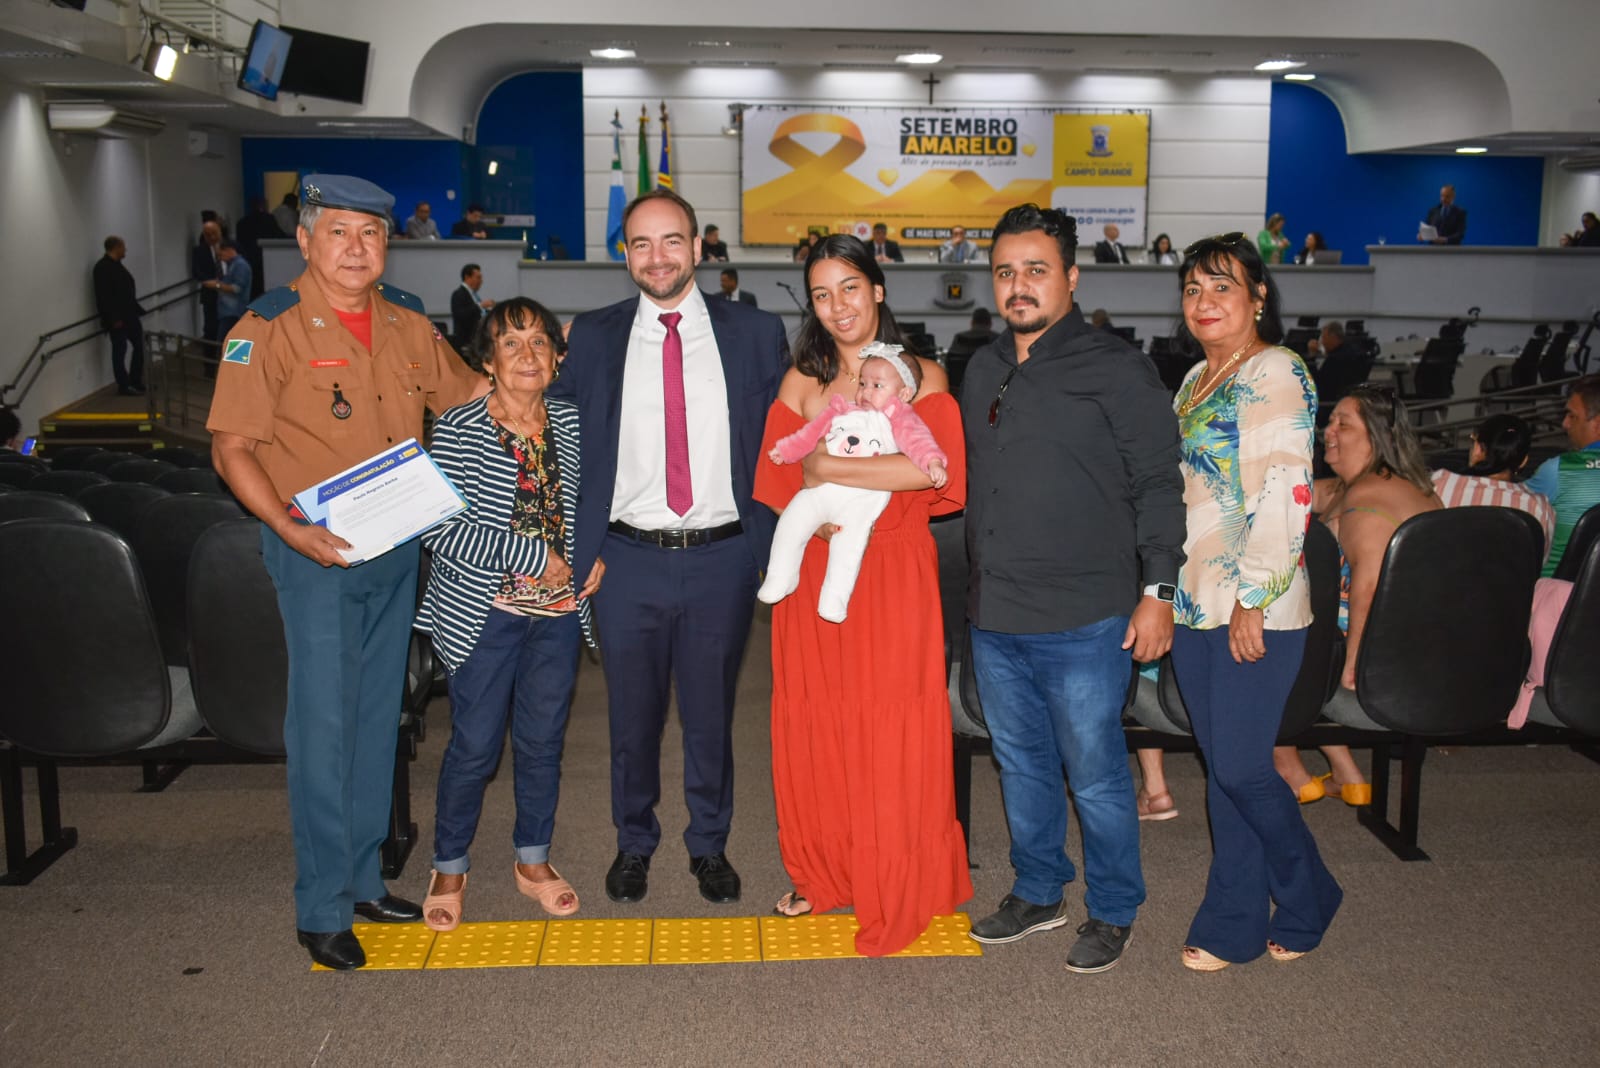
(1162, 591)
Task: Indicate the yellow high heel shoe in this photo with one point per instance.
(1354, 794)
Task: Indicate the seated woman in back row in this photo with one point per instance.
(1381, 482)
(1500, 449)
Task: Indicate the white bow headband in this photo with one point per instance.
(891, 354)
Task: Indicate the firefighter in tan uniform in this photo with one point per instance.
(319, 376)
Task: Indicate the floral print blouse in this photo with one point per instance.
(1247, 487)
(536, 513)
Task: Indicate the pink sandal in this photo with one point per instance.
(548, 893)
(449, 904)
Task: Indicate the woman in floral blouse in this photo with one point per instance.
(1247, 416)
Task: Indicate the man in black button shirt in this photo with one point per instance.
(1074, 504)
(116, 299)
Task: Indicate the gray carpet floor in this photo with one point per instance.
(166, 938)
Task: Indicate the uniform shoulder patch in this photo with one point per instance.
(274, 302)
(237, 350)
(396, 295)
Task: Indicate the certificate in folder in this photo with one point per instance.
(382, 502)
(1426, 232)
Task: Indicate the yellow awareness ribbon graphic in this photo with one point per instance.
(813, 173)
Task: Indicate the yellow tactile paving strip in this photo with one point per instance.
(569, 943)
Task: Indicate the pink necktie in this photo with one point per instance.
(680, 491)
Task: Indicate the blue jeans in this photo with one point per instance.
(1054, 701)
(1261, 849)
(522, 669)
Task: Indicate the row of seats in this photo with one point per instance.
(21, 474)
(159, 641)
(1444, 652)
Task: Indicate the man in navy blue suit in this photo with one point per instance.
(673, 391)
(1448, 219)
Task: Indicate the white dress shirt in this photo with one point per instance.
(640, 496)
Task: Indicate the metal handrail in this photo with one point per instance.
(41, 356)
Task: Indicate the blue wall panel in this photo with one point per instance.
(410, 169)
(530, 125)
(1356, 201)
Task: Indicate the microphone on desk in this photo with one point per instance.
(797, 302)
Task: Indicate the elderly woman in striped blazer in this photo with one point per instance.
(503, 606)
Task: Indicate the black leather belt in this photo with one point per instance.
(678, 539)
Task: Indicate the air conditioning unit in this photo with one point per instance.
(98, 119)
(1582, 163)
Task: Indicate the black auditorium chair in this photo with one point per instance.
(179, 456)
(1445, 644)
(164, 541)
(106, 459)
(190, 480)
(139, 470)
(26, 504)
(238, 662)
(1570, 696)
(118, 505)
(1584, 534)
(19, 475)
(1435, 371)
(1553, 364)
(69, 482)
(85, 676)
(20, 460)
(71, 457)
(239, 665)
(1525, 369)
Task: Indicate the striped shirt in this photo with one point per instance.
(1465, 491)
(473, 551)
(1572, 482)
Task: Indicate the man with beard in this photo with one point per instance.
(1075, 530)
(673, 391)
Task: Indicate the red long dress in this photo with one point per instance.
(861, 756)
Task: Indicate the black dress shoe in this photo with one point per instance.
(389, 909)
(628, 878)
(338, 950)
(719, 883)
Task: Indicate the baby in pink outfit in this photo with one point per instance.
(880, 421)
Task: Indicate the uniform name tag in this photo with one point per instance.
(237, 351)
(330, 363)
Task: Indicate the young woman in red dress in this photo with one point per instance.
(861, 754)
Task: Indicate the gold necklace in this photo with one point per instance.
(517, 424)
(1200, 391)
(853, 376)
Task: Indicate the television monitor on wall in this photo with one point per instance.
(334, 68)
(265, 60)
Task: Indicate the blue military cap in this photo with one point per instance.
(347, 192)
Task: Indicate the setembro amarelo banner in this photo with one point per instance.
(921, 171)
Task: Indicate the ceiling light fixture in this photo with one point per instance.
(494, 167)
(161, 60)
(919, 58)
(1299, 77)
(1278, 64)
(612, 53)
(1471, 150)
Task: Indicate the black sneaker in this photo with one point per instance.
(1099, 946)
(1016, 919)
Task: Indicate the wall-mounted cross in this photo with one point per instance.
(930, 81)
